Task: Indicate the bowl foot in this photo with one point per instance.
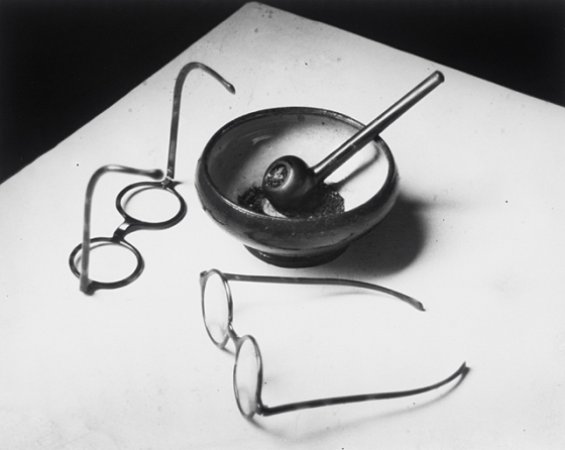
(297, 260)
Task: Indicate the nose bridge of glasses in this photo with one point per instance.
(123, 230)
(232, 334)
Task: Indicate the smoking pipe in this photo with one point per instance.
(289, 183)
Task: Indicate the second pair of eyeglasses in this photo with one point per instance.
(217, 312)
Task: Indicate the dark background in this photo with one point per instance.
(62, 62)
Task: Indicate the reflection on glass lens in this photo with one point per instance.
(216, 309)
(246, 376)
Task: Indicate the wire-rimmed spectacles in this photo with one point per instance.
(131, 223)
(217, 312)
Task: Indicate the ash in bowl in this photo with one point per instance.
(328, 201)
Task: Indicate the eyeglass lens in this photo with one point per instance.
(113, 261)
(150, 203)
(247, 375)
(215, 307)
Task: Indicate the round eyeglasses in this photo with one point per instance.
(168, 183)
(217, 312)
(131, 223)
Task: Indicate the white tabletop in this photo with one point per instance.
(477, 236)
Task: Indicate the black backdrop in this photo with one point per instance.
(62, 62)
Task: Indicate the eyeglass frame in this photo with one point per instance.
(131, 223)
(87, 285)
(264, 410)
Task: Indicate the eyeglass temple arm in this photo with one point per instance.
(85, 253)
(326, 281)
(270, 410)
(176, 108)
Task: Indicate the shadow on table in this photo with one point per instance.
(391, 246)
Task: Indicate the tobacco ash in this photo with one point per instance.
(252, 199)
(328, 201)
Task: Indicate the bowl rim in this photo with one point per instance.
(386, 194)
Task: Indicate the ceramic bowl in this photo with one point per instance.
(237, 156)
